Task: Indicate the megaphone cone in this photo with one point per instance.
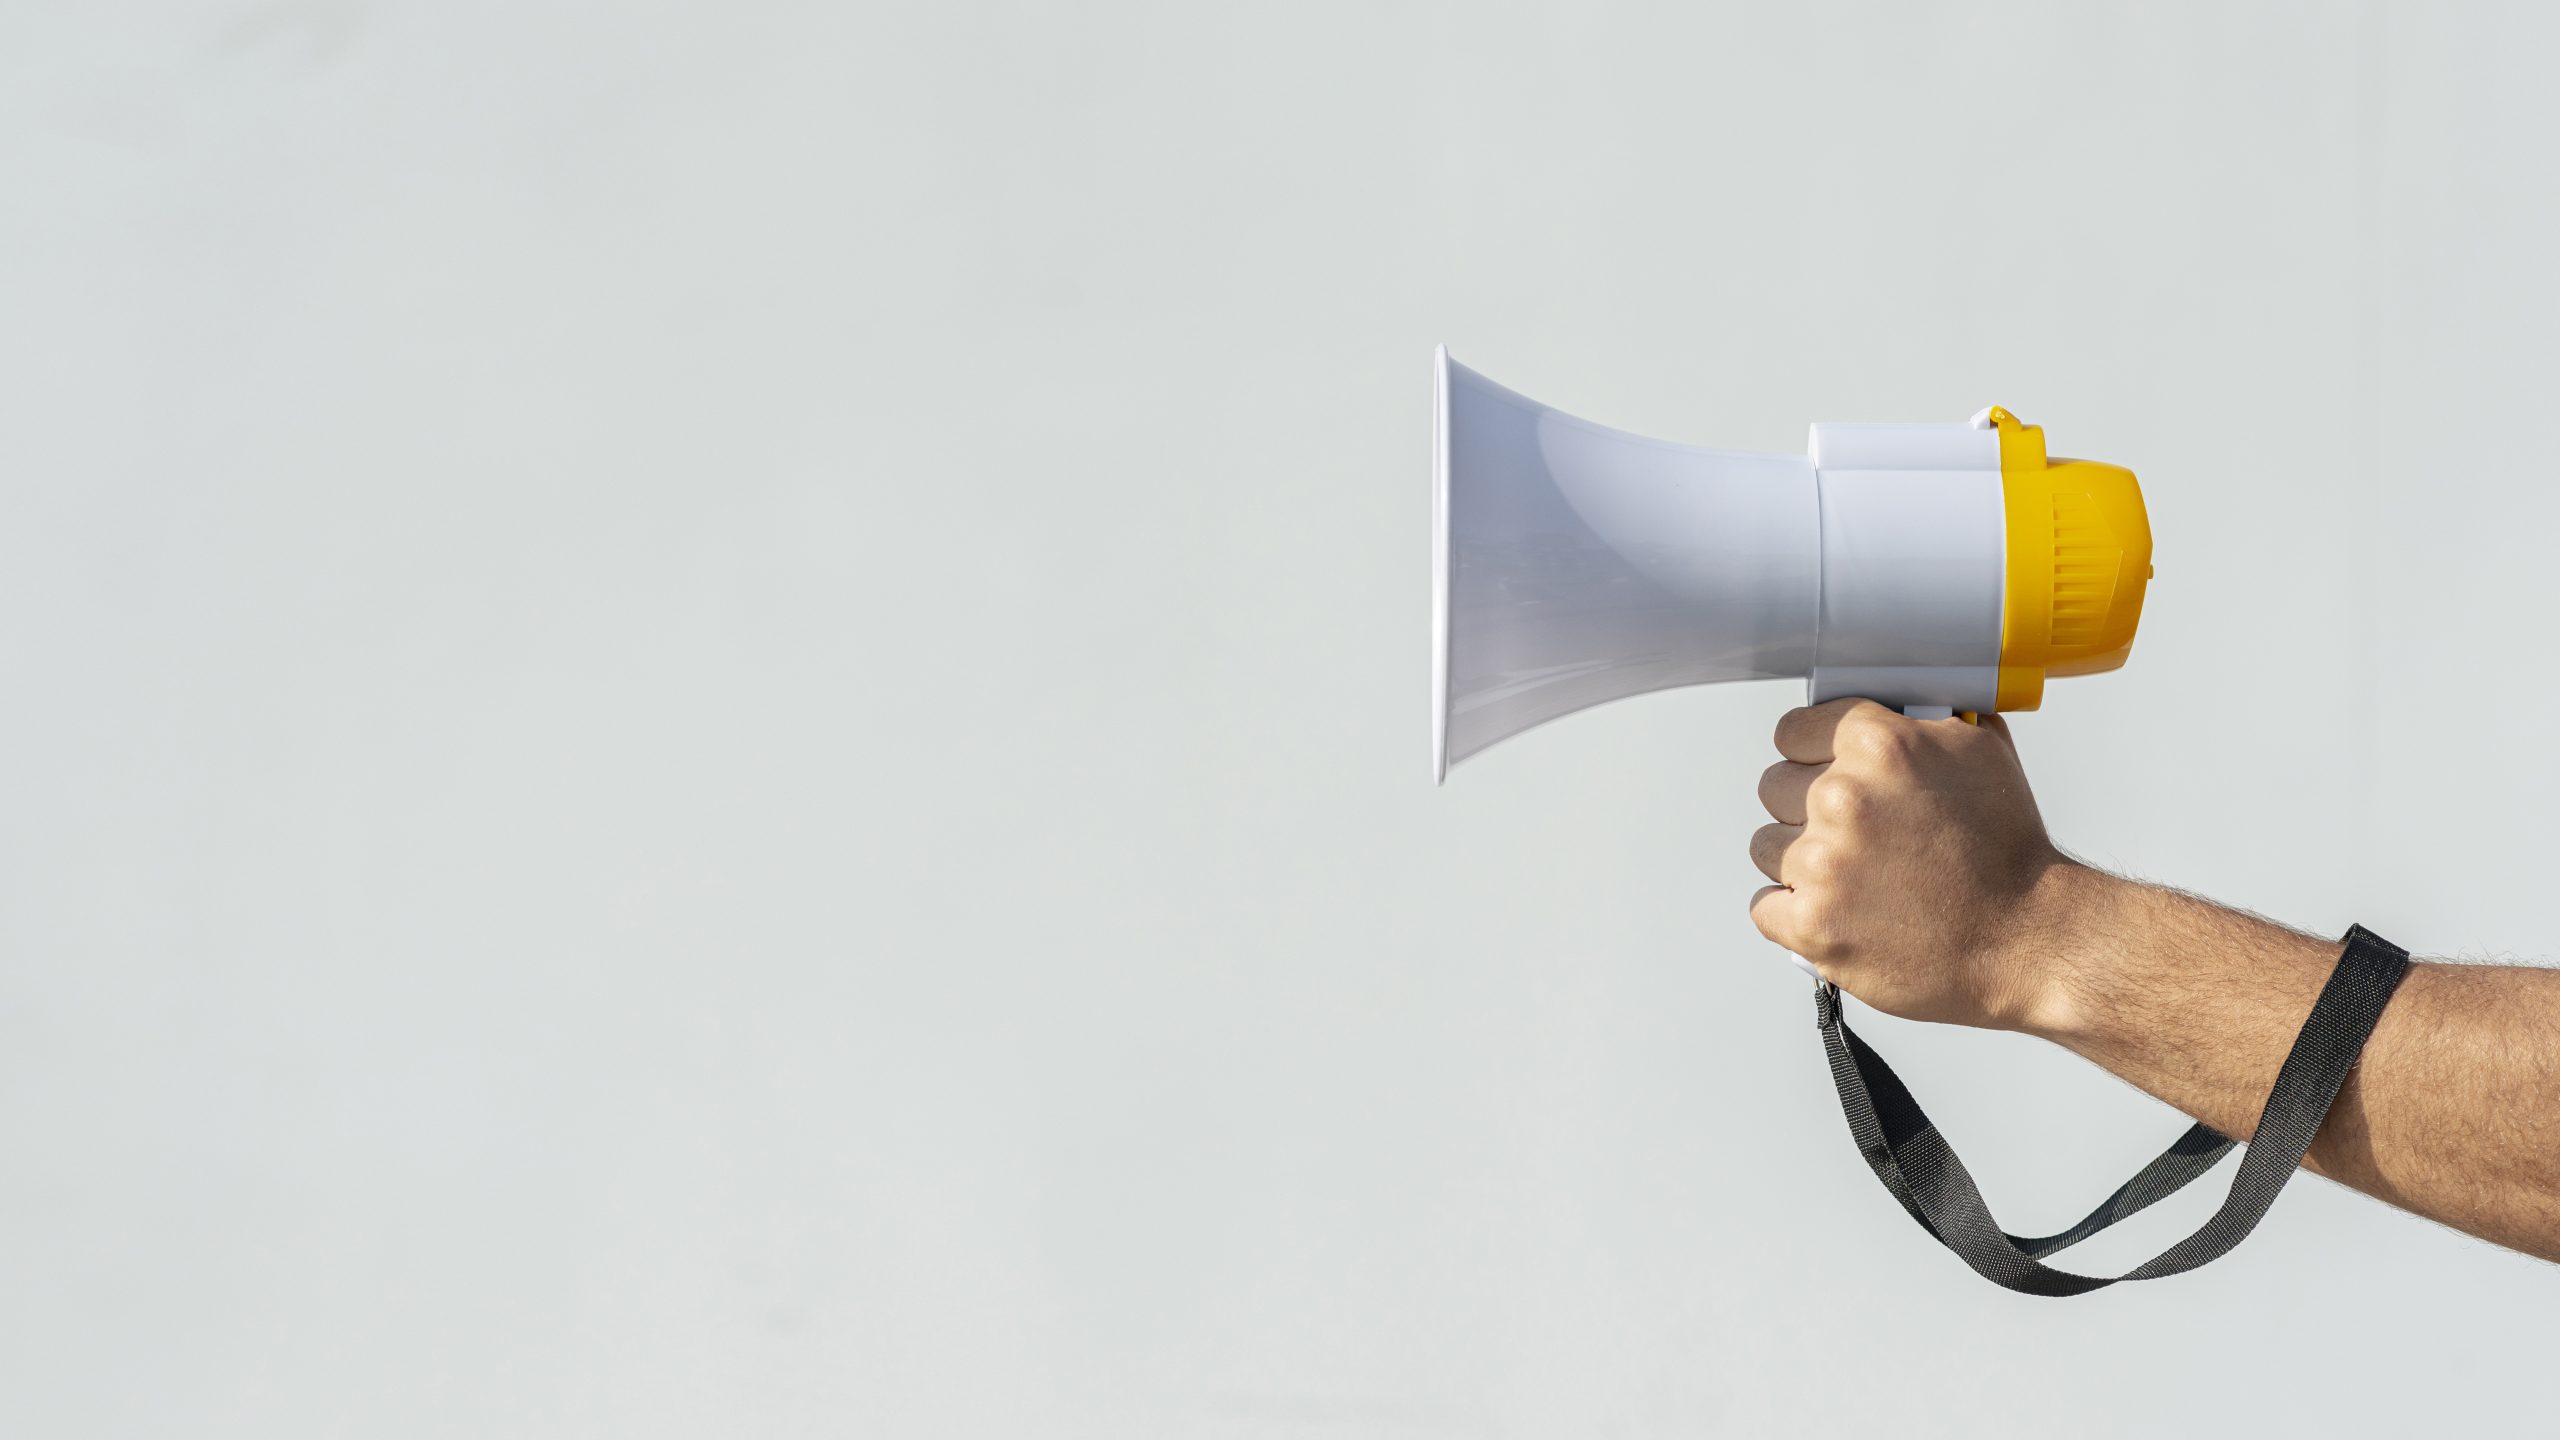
(1938, 568)
(1578, 564)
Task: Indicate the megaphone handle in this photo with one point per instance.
(1942, 712)
(1917, 1166)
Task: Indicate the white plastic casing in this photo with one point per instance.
(1914, 550)
(1574, 564)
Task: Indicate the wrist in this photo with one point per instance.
(2068, 949)
(2118, 965)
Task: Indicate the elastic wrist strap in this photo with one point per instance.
(1916, 1165)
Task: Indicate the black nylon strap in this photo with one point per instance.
(1915, 1163)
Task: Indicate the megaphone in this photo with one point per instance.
(1941, 568)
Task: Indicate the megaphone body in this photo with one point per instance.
(1940, 568)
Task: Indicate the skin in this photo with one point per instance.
(2453, 1112)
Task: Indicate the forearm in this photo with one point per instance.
(2453, 1111)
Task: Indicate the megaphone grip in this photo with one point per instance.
(1921, 1170)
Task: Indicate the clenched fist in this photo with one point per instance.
(1912, 869)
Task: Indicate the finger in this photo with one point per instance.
(1782, 788)
(1769, 847)
(1773, 911)
(1805, 736)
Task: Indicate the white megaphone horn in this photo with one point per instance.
(1943, 568)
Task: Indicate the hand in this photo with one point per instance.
(1913, 870)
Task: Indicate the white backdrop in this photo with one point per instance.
(714, 714)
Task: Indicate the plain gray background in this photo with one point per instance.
(715, 714)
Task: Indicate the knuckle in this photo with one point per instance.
(1881, 745)
(1855, 728)
(1841, 800)
(1814, 862)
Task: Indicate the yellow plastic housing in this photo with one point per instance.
(2079, 559)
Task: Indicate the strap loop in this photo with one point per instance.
(1921, 1171)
